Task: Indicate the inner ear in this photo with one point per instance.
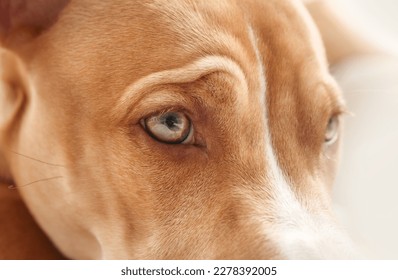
(22, 20)
(13, 86)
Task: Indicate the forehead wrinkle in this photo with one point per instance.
(188, 73)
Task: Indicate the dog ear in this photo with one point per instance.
(20, 22)
(23, 20)
(13, 84)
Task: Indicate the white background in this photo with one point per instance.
(366, 191)
(378, 19)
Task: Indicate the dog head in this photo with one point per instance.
(172, 129)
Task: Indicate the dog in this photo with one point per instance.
(180, 129)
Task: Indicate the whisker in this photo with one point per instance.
(38, 160)
(13, 187)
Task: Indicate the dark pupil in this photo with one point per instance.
(171, 121)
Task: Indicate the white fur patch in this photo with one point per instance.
(297, 233)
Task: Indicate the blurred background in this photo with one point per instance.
(377, 19)
(366, 189)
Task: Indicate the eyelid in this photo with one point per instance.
(340, 109)
(161, 102)
(164, 110)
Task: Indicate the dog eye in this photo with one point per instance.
(332, 130)
(169, 128)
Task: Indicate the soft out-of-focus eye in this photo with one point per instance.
(169, 128)
(332, 130)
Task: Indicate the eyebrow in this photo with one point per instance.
(188, 73)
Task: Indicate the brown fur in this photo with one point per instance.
(21, 238)
(124, 195)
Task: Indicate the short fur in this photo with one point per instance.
(251, 75)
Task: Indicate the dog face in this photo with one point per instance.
(175, 129)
